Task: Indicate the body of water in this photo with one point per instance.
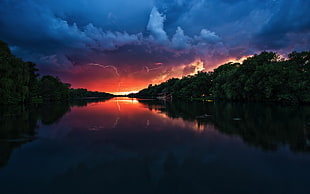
(124, 145)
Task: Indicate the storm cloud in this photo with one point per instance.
(148, 41)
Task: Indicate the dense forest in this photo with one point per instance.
(264, 77)
(20, 83)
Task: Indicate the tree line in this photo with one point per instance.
(264, 77)
(20, 83)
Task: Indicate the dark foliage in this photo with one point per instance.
(20, 83)
(16, 77)
(82, 93)
(263, 77)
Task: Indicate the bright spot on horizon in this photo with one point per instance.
(125, 93)
(199, 66)
(236, 60)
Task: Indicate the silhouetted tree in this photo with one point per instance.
(263, 77)
(52, 89)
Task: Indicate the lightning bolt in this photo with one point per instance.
(106, 66)
(150, 69)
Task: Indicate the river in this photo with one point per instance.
(125, 145)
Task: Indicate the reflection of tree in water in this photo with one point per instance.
(51, 113)
(18, 124)
(186, 110)
(262, 125)
(266, 126)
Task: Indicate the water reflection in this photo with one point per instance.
(16, 127)
(18, 124)
(262, 125)
(142, 146)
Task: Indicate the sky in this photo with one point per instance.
(122, 46)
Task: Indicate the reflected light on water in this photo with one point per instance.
(104, 115)
(127, 144)
(126, 100)
(122, 112)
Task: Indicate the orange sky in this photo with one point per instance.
(109, 79)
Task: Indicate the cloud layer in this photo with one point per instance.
(147, 41)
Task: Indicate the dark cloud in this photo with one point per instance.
(287, 27)
(134, 36)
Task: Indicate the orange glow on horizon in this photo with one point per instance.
(116, 89)
(126, 93)
(95, 77)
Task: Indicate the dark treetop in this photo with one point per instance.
(264, 77)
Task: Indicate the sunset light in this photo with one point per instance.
(128, 50)
(125, 93)
(154, 96)
(198, 66)
(237, 60)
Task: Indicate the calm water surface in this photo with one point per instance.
(127, 145)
